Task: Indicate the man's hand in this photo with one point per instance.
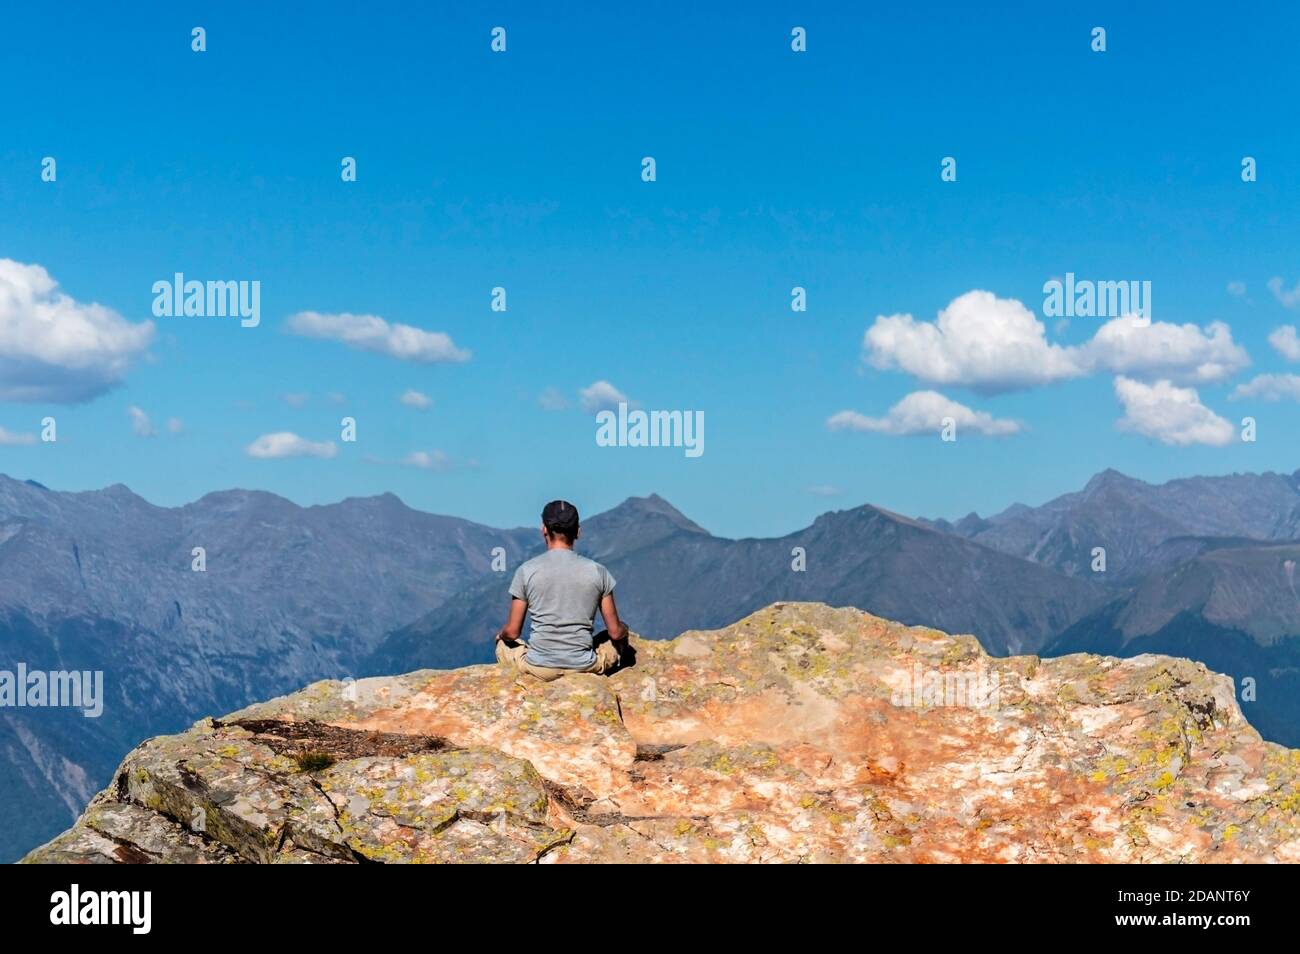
(514, 627)
(616, 628)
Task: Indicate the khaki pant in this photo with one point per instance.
(512, 654)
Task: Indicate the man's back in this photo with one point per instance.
(563, 591)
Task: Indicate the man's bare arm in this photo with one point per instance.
(515, 623)
(609, 610)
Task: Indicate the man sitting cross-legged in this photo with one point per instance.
(561, 591)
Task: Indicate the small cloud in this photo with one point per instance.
(923, 412)
(1285, 342)
(1170, 414)
(55, 348)
(336, 398)
(1270, 387)
(287, 444)
(1286, 298)
(824, 490)
(372, 333)
(297, 399)
(428, 460)
(601, 396)
(141, 426)
(11, 439)
(1237, 289)
(413, 398)
(552, 400)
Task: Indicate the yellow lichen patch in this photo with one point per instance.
(1290, 802)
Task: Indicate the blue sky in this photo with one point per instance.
(775, 169)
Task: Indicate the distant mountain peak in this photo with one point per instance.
(872, 509)
(864, 521)
(237, 497)
(1111, 478)
(385, 501)
(639, 507)
(1104, 477)
(120, 494)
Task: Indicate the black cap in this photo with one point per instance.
(560, 516)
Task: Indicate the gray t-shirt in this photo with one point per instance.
(563, 591)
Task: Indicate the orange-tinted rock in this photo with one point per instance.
(801, 733)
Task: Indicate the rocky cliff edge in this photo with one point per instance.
(800, 733)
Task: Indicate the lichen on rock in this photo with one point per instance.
(800, 733)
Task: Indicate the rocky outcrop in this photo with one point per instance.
(103, 580)
(801, 733)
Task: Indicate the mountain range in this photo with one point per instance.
(286, 595)
(1134, 520)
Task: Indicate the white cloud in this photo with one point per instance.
(1237, 289)
(601, 396)
(413, 398)
(1171, 415)
(428, 460)
(54, 348)
(372, 333)
(141, 426)
(1157, 349)
(288, 444)
(552, 400)
(1285, 342)
(297, 399)
(1270, 387)
(923, 412)
(981, 341)
(11, 439)
(992, 344)
(1287, 298)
